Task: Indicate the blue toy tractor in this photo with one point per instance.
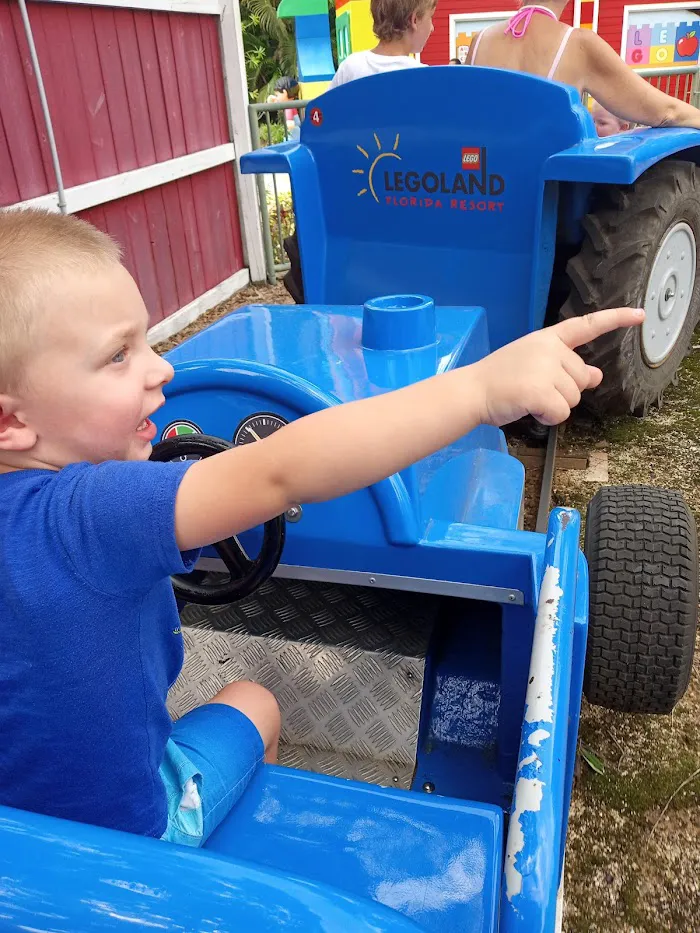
(490, 188)
(427, 654)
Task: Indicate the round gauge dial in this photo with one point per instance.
(256, 427)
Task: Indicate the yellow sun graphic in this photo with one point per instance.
(374, 162)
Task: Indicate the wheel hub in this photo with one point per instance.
(669, 293)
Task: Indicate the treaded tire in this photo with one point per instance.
(293, 280)
(622, 236)
(642, 550)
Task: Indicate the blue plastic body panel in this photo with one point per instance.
(436, 860)
(539, 813)
(314, 53)
(620, 160)
(296, 360)
(62, 877)
(447, 182)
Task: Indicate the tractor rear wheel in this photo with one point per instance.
(640, 249)
(642, 551)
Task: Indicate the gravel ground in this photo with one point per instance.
(633, 857)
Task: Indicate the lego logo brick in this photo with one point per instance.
(471, 159)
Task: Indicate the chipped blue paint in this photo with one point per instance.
(538, 814)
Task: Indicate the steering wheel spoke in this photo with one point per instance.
(233, 554)
(246, 574)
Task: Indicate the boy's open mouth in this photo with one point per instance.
(146, 430)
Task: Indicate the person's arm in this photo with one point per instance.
(627, 95)
(348, 447)
(472, 45)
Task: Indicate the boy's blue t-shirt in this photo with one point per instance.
(89, 640)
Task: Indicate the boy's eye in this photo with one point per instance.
(119, 357)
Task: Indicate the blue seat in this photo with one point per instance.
(436, 860)
(433, 181)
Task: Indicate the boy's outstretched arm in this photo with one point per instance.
(341, 449)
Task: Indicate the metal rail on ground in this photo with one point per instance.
(547, 480)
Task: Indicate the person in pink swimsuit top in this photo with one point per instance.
(536, 42)
(517, 27)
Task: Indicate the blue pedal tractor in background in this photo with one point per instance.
(428, 655)
(487, 187)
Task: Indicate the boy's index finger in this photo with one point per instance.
(580, 330)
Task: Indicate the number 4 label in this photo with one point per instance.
(316, 116)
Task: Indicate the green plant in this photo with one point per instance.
(268, 42)
(271, 133)
(281, 222)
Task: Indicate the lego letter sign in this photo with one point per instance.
(662, 40)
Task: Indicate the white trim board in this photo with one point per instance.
(103, 190)
(236, 85)
(180, 319)
(577, 14)
(212, 7)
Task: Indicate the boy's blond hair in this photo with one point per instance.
(392, 17)
(36, 248)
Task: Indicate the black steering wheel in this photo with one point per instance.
(246, 575)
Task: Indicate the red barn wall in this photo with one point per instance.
(610, 13)
(126, 88)
(178, 240)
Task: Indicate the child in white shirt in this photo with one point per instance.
(402, 27)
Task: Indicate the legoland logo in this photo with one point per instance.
(368, 180)
(471, 159)
(471, 188)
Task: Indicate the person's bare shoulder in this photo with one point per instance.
(595, 49)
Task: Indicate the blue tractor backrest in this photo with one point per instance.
(430, 180)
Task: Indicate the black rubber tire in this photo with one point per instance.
(642, 549)
(622, 235)
(293, 280)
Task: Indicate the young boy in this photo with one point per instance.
(606, 123)
(402, 27)
(90, 531)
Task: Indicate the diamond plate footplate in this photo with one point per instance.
(385, 773)
(345, 664)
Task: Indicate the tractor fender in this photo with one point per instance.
(620, 160)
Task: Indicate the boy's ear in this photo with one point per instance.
(14, 433)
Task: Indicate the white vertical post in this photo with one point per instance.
(594, 15)
(231, 37)
(577, 14)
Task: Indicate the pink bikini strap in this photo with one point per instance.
(476, 46)
(517, 24)
(557, 57)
